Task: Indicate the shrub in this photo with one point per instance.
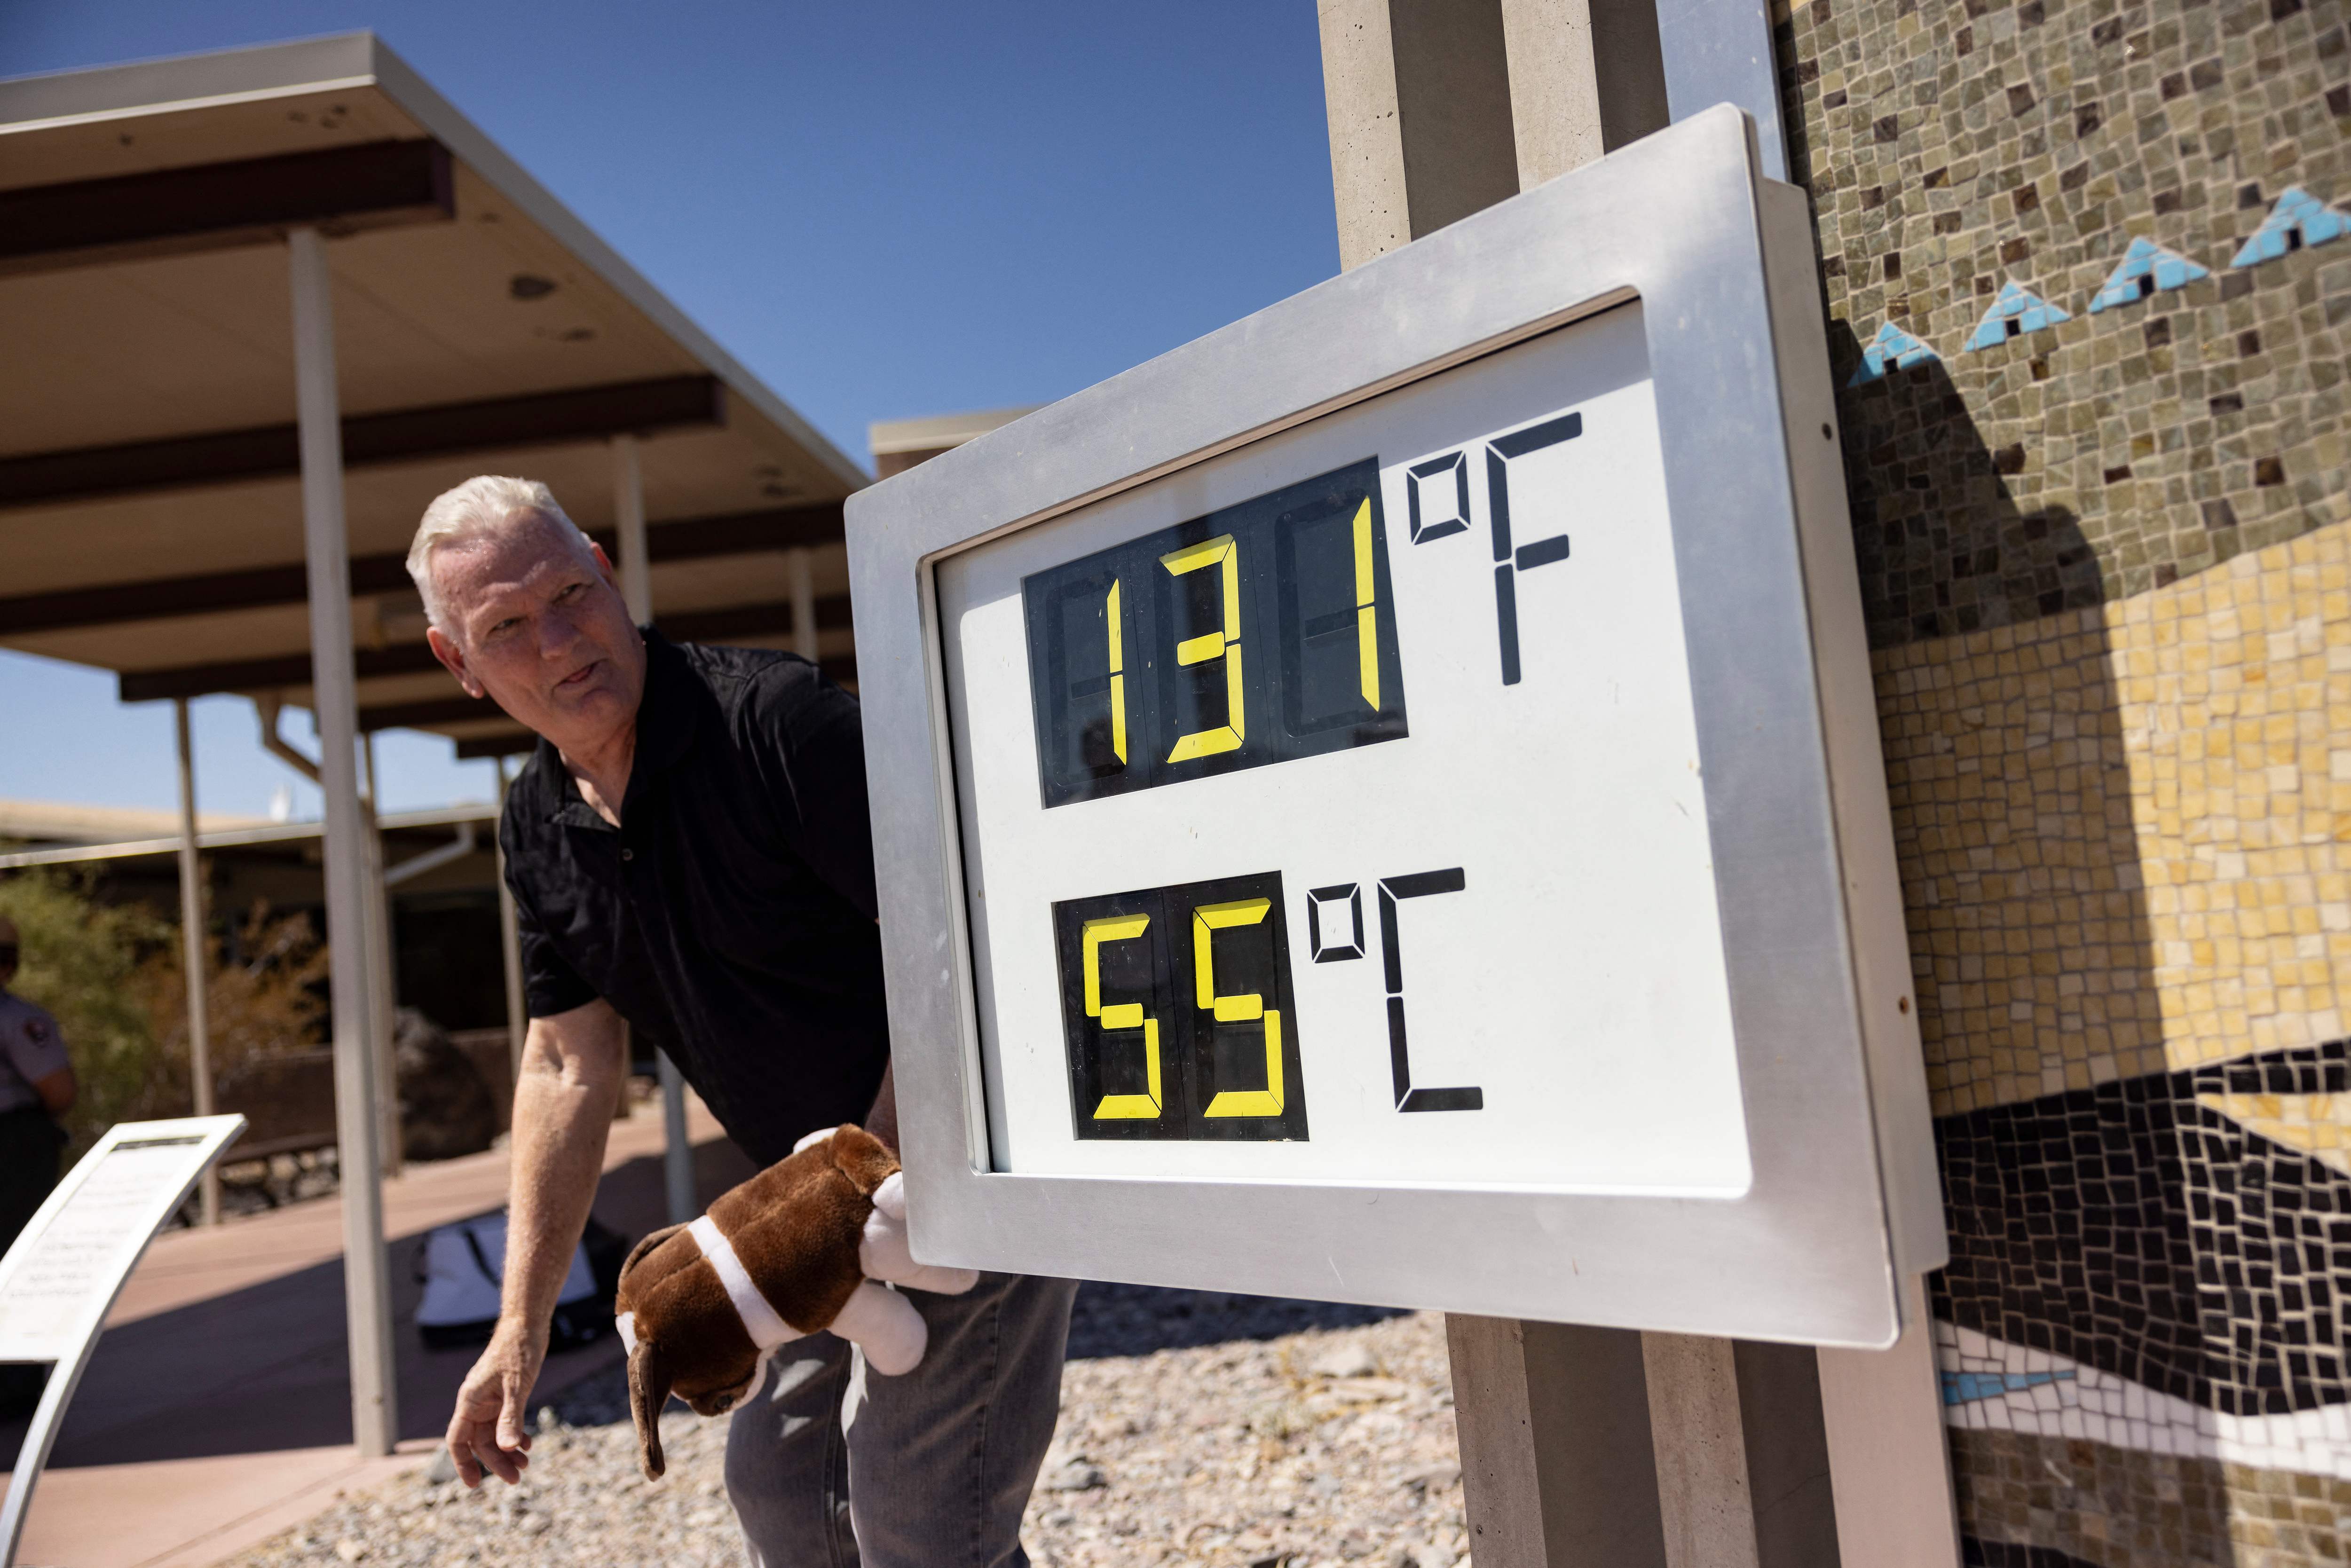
(271, 1002)
(112, 975)
(81, 961)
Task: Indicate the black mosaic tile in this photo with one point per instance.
(1978, 1554)
(2134, 1229)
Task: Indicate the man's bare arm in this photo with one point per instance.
(573, 1068)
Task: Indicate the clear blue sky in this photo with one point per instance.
(883, 209)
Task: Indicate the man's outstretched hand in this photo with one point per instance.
(489, 1432)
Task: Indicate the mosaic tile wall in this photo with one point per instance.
(2126, 844)
(2088, 269)
(1980, 172)
(2125, 831)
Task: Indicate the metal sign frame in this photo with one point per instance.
(206, 1137)
(1843, 1203)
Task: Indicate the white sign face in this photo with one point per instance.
(62, 1273)
(1384, 802)
(1332, 809)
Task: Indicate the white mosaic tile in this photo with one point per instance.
(2067, 1399)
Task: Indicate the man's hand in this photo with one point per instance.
(489, 1431)
(885, 1253)
(572, 1071)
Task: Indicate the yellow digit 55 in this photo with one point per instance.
(1206, 920)
(1225, 643)
(1125, 1015)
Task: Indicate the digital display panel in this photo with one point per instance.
(1212, 874)
(1593, 970)
(1257, 633)
(1176, 1006)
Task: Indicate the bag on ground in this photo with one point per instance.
(460, 1266)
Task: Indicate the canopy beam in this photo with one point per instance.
(265, 587)
(209, 206)
(766, 619)
(273, 451)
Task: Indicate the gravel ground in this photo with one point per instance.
(1197, 1428)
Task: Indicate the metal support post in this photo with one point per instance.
(637, 590)
(510, 949)
(677, 1149)
(382, 1000)
(195, 961)
(804, 634)
(366, 1285)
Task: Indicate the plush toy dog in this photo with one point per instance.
(793, 1251)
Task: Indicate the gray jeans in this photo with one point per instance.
(934, 1468)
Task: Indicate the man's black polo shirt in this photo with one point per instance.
(730, 916)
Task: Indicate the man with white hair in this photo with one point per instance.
(689, 851)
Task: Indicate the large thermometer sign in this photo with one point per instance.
(1383, 803)
(1336, 807)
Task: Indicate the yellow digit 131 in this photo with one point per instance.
(1225, 643)
(1124, 1015)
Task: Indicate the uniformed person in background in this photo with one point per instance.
(36, 1087)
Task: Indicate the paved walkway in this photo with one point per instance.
(217, 1409)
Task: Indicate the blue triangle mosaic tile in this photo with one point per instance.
(2146, 268)
(1962, 1387)
(1892, 350)
(2299, 219)
(2017, 311)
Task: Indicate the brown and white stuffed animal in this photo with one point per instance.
(797, 1249)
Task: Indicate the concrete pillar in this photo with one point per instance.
(1781, 1421)
(1439, 108)
(1583, 1446)
(1557, 1462)
(1589, 1447)
(1418, 96)
(1703, 1497)
(1586, 78)
(366, 1285)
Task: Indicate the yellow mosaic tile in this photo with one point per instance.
(2317, 1125)
(2125, 831)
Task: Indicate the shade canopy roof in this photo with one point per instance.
(150, 508)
